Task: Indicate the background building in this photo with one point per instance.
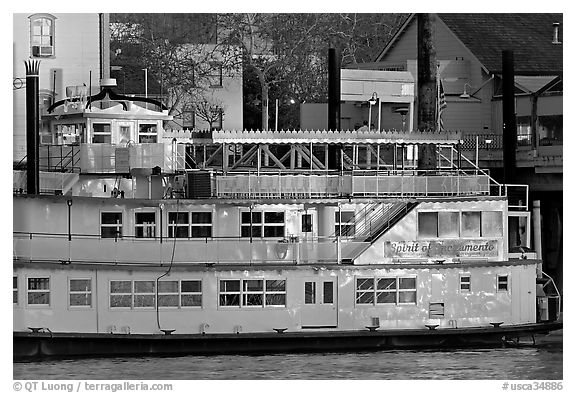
(70, 47)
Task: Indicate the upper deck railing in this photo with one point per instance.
(399, 183)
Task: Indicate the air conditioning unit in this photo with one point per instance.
(42, 51)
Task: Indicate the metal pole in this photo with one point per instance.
(32, 125)
(146, 84)
(276, 123)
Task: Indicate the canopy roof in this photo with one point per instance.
(346, 137)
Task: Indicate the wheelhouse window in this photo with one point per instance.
(252, 293)
(345, 224)
(148, 133)
(101, 133)
(80, 292)
(42, 35)
(38, 291)
(111, 224)
(386, 290)
(145, 224)
(262, 224)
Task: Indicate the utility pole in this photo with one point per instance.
(427, 90)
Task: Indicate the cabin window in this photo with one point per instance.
(121, 294)
(178, 224)
(101, 133)
(345, 224)
(42, 35)
(502, 283)
(190, 224)
(309, 292)
(438, 224)
(482, 224)
(201, 224)
(144, 294)
(111, 224)
(517, 233)
(39, 291)
(148, 133)
(306, 223)
(427, 224)
(465, 281)
(185, 293)
(191, 293)
(145, 224)
(492, 224)
(328, 292)
(262, 224)
(230, 293)
(253, 293)
(80, 292)
(15, 289)
(386, 290)
(168, 294)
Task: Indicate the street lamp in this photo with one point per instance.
(465, 94)
(372, 102)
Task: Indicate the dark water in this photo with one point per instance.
(543, 362)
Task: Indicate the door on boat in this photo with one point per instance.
(320, 302)
(126, 133)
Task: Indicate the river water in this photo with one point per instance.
(543, 362)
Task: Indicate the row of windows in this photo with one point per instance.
(141, 294)
(455, 224)
(192, 224)
(102, 133)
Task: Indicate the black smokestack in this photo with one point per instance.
(509, 115)
(333, 104)
(32, 129)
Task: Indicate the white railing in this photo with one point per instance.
(57, 248)
(355, 183)
(107, 158)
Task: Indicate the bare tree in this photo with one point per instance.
(210, 111)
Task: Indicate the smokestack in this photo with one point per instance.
(556, 36)
(508, 115)
(333, 104)
(32, 128)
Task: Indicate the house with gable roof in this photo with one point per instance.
(469, 54)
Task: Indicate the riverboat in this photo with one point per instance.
(144, 241)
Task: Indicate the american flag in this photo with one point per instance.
(441, 105)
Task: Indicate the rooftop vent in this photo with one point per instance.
(556, 38)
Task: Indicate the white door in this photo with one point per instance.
(320, 303)
(125, 133)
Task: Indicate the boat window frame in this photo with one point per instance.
(461, 283)
(262, 225)
(144, 226)
(94, 133)
(121, 225)
(482, 235)
(376, 291)
(70, 292)
(338, 224)
(15, 290)
(147, 133)
(498, 277)
(242, 293)
(48, 291)
(51, 36)
(438, 232)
